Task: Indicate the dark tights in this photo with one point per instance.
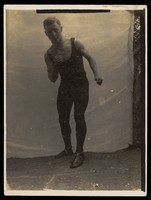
(76, 94)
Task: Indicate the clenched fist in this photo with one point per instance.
(99, 80)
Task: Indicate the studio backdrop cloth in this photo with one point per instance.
(32, 127)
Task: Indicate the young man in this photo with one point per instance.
(64, 57)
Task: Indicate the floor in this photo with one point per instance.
(120, 170)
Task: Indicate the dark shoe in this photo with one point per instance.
(78, 160)
(64, 153)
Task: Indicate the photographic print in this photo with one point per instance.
(75, 106)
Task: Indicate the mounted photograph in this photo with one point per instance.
(75, 100)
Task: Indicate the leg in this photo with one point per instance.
(80, 104)
(64, 105)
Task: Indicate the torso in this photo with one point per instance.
(63, 52)
(69, 63)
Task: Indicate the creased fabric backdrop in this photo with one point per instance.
(32, 119)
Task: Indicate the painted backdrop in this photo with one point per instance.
(32, 119)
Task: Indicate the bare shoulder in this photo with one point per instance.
(79, 45)
(81, 48)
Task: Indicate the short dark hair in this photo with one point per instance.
(51, 20)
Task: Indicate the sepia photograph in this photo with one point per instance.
(75, 80)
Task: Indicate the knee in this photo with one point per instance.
(63, 120)
(79, 117)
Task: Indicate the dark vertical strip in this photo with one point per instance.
(142, 23)
(137, 81)
(139, 89)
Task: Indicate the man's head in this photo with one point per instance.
(53, 28)
(51, 20)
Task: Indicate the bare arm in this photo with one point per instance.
(80, 47)
(52, 71)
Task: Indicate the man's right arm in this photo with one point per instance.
(52, 71)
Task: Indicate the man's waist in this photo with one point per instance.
(73, 75)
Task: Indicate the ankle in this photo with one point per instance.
(79, 150)
(68, 149)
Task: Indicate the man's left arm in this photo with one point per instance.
(80, 47)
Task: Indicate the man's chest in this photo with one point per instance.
(62, 53)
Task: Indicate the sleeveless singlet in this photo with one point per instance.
(73, 68)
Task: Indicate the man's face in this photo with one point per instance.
(53, 32)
